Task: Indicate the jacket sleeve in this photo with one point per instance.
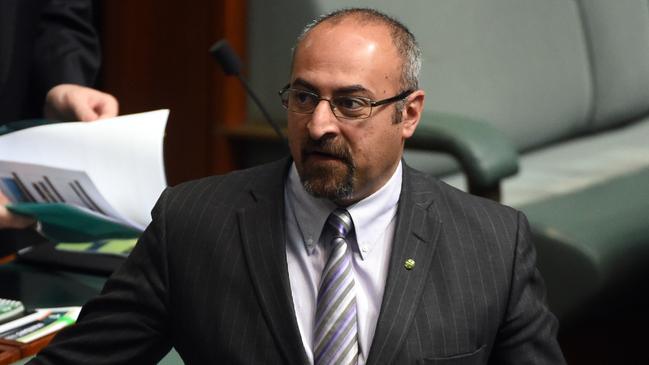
(67, 47)
(128, 322)
(528, 333)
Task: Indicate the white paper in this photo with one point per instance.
(123, 156)
(28, 183)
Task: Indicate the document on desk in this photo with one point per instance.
(86, 180)
(40, 323)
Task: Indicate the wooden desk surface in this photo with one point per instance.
(9, 354)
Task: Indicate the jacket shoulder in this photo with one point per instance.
(227, 188)
(453, 203)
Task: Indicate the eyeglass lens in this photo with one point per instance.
(305, 102)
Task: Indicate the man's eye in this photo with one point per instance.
(303, 97)
(350, 103)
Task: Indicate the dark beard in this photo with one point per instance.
(333, 183)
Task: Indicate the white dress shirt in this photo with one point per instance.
(371, 243)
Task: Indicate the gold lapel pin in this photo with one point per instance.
(409, 264)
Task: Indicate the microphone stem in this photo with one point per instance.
(261, 107)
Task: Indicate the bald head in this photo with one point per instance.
(349, 62)
(403, 40)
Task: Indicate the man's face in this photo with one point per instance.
(348, 160)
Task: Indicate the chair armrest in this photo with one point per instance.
(485, 155)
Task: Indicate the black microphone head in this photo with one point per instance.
(226, 57)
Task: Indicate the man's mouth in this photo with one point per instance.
(322, 154)
(326, 151)
(318, 155)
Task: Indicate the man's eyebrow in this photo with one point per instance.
(303, 83)
(351, 89)
(342, 90)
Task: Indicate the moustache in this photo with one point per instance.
(330, 147)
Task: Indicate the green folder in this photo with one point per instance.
(66, 223)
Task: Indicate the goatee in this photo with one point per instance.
(333, 180)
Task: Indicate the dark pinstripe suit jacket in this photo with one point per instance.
(209, 277)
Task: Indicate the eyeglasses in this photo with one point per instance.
(344, 107)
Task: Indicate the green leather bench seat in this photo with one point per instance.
(569, 86)
(574, 164)
(592, 240)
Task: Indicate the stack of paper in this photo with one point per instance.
(86, 181)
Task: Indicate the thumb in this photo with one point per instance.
(107, 107)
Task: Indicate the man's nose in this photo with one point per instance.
(323, 121)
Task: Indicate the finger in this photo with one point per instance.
(16, 221)
(3, 199)
(107, 107)
(84, 111)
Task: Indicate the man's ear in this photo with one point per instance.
(411, 113)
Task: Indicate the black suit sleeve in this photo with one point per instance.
(528, 332)
(128, 322)
(44, 43)
(67, 47)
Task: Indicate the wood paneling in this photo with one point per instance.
(156, 56)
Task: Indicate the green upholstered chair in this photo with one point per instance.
(567, 82)
(543, 104)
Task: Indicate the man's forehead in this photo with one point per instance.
(346, 41)
(338, 54)
(346, 27)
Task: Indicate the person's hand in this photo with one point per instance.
(68, 102)
(10, 220)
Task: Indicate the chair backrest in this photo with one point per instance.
(618, 39)
(522, 65)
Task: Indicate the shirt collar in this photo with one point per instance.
(370, 215)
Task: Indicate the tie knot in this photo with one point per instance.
(340, 222)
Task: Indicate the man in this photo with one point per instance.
(342, 255)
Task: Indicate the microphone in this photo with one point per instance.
(231, 64)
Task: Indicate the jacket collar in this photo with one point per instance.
(262, 228)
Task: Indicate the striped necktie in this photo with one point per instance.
(335, 334)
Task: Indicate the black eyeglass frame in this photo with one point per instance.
(372, 103)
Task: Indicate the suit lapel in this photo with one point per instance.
(262, 228)
(418, 227)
